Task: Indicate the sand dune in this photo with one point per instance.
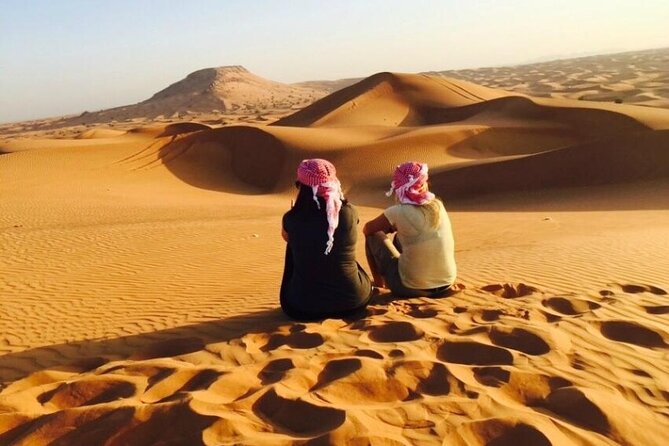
(388, 99)
(141, 269)
(473, 149)
(635, 77)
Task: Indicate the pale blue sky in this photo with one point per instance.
(64, 57)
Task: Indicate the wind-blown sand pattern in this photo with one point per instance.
(635, 77)
(140, 276)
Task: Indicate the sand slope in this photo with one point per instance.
(141, 270)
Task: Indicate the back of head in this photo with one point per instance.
(320, 176)
(316, 171)
(305, 201)
(410, 184)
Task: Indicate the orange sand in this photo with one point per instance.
(140, 276)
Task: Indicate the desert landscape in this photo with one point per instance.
(141, 260)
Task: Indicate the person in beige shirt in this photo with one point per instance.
(419, 260)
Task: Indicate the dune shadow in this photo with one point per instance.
(552, 179)
(182, 127)
(587, 120)
(239, 159)
(89, 354)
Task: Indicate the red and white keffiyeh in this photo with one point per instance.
(410, 184)
(321, 175)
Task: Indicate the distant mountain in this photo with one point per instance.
(230, 89)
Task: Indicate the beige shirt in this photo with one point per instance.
(428, 259)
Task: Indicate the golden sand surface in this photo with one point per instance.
(140, 269)
(634, 77)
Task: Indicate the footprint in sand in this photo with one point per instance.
(161, 424)
(426, 378)
(421, 311)
(159, 376)
(369, 353)
(660, 309)
(295, 339)
(87, 392)
(275, 370)
(510, 291)
(396, 353)
(175, 423)
(395, 332)
(491, 315)
(437, 382)
(473, 353)
(107, 424)
(521, 434)
(499, 432)
(569, 307)
(154, 374)
(631, 333)
(201, 381)
(550, 318)
(177, 385)
(491, 376)
(519, 339)
(297, 417)
(527, 388)
(635, 289)
(336, 369)
(571, 404)
(485, 316)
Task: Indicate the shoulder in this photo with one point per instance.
(393, 209)
(348, 208)
(392, 212)
(348, 212)
(398, 210)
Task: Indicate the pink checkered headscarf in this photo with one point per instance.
(321, 175)
(410, 184)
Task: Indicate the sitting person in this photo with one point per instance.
(420, 261)
(321, 277)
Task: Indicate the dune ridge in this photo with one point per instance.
(141, 269)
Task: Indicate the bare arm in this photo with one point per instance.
(284, 234)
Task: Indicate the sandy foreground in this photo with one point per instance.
(140, 273)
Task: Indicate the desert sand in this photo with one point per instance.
(141, 269)
(634, 77)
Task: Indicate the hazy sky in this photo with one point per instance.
(67, 56)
